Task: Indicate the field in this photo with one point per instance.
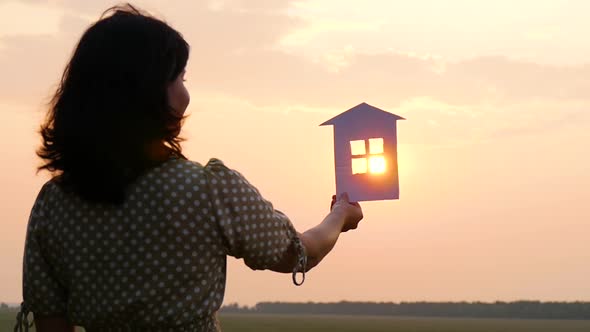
(292, 323)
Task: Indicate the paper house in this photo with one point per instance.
(365, 153)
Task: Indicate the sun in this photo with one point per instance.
(377, 164)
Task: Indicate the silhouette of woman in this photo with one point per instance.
(130, 235)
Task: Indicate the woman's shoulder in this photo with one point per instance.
(214, 171)
(213, 164)
(213, 176)
(214, 167)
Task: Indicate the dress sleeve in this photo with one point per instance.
(251, 228)
(42, 293)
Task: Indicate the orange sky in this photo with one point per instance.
(493, 157)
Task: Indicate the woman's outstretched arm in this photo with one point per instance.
(319, 240)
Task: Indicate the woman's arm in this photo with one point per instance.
(319, 240)
(53, 324)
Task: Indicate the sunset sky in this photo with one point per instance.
(494, 158)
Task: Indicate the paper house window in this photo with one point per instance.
(365, 153)
(374, 158)
(359, 165)
(357, 148)
(375, 145)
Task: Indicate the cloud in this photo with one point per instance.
(236, 53)
(440, 124)
(32, 63)
(268, 76)
(311, 30)
(456, 30)
(534, 119)
(11, 22)
(30, 67)
(251, 5)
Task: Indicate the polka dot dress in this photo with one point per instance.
(156, 263)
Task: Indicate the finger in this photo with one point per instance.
(344, 197)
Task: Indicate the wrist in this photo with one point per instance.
(338, 214)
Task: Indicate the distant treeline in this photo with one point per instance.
(518, 309)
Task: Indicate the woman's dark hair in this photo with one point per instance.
(110, 118)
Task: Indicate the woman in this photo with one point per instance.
(129, 234)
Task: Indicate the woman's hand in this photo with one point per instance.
(351, 211)
(319, 240)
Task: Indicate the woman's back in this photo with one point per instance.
(158, 259)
